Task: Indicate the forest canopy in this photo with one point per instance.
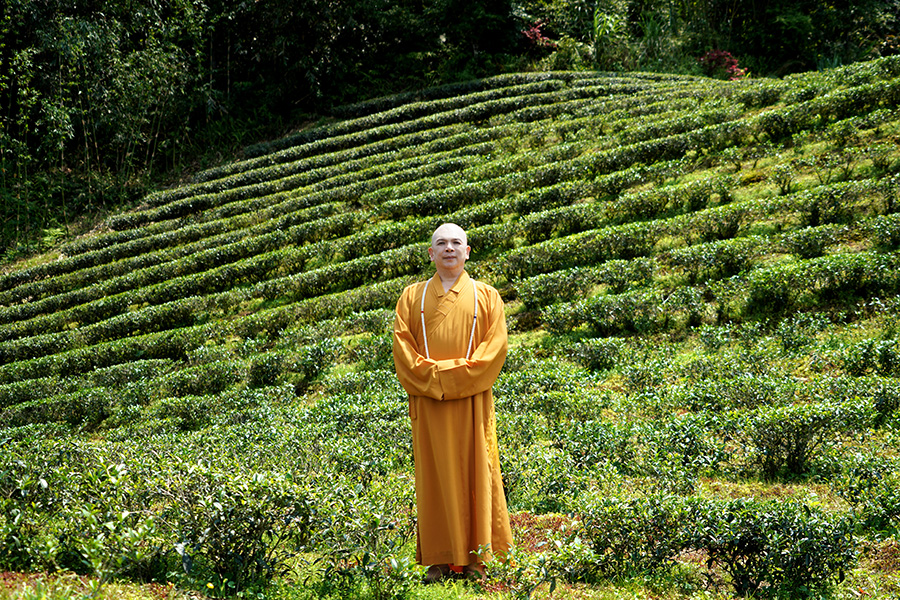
(100, 100)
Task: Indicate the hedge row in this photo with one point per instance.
(176, 344)
(616, 275)
(642, 311)
(367, 130)
(572, 78)
(307, 225)
(639, 238)
(180, 302)
(206, 270)
(824, 282)
(252, 260)
(318, 180)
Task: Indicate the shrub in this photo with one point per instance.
(812, 242)
(595, 442)
(204, 379)
(721, 65)
(265, 369)
(633, 536)
(880, 357)
(242, 529)
(868, 483)
(783, 175)
(775, 548)
(598, 354)
(784, 438)
(799, 331)
(884, 232)
(716, 260)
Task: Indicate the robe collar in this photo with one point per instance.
(446, 302)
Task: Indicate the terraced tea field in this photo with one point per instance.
(702, 286)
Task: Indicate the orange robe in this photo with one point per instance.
(459, 490)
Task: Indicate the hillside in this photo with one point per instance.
(701, 280)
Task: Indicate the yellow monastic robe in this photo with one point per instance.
(459, 491)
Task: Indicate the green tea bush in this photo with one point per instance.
(34, 389)
(312, 362)
(598, 354)
(265, 369)
(545, 480)
(363, 382)
(363, 538)
(616, 275)
(186, 412)
(811, 242)
(239, 528)
(204, 379)
(595, 442)
(830, 204)
(773, 549)
(718, 259)
(799, 331)
(84, 408)
(694, 441)
(820, 283)
(632, 536)
(879, 357)
(869, 484)
(641, 312)
(722, 393)
(84, 519)
(783, 439)
(884, 231)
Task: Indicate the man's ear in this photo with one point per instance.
(431, 254)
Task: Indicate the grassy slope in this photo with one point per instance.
(681, 259)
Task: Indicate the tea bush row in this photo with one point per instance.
(658, 203)
(767, 548)
(80, 270)
(171, 308)
(369, 130)
(639, 238)
(779, 124)
(251, 260)
(616, 275)
(476, 86)
(175, 344)
(482, 173)
(299, 143)
(642, 312)
(155, 267)
(316, 181)
(824, 282)
(280, 204)
(472, 92)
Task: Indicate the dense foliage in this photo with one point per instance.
(101, 100)
(702, 284)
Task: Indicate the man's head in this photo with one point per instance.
(449, 250)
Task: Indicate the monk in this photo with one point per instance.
(449, 346)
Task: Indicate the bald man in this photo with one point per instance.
(449, 346)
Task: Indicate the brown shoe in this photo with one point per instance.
(436, 574)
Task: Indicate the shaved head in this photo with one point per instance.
(449, 251)
(449, 231)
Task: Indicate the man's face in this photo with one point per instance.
(449, 250)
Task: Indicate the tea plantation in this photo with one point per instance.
(702, 285)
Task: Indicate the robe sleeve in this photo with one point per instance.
(453, 378)
(418, 375)
(461, 378)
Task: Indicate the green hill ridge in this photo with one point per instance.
(702, 284)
